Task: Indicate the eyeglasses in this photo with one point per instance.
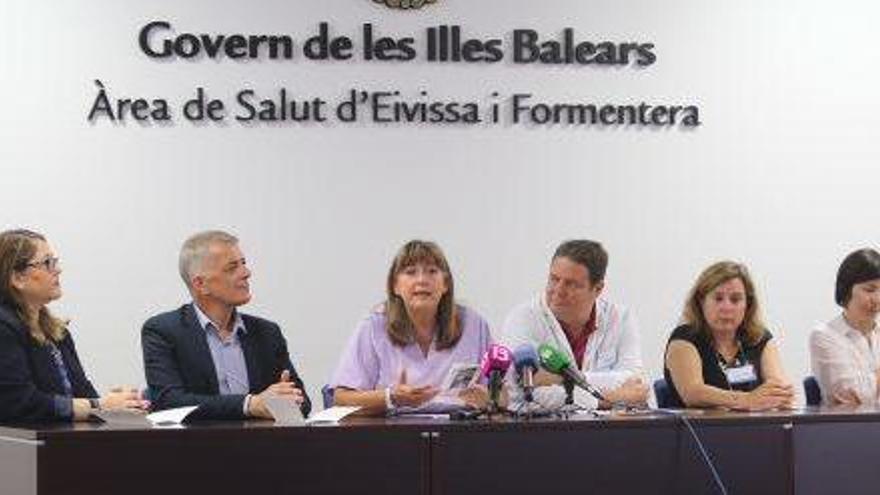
(50, 264)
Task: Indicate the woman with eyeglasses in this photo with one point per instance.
(722, 355)
(41, 377)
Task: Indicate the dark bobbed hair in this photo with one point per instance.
(859, 266)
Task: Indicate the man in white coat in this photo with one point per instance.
(598, 336)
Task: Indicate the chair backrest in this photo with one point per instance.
(327, 395)
(663, 394)
(812, 392)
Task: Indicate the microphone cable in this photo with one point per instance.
(707, 459)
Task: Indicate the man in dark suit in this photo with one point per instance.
(208, 354)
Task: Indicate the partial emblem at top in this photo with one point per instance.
(405, 4)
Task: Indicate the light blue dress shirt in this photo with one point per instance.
(228, 356)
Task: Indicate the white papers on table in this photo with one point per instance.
(171, 418)
(332, 415)
(285, 410)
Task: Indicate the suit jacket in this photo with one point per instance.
(30, 384)
(180, 370)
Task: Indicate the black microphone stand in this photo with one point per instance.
(568, 384)
(569, 407)
(494, 393)
(529, 398)
(528, 395)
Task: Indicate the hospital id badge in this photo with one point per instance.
(741, 374)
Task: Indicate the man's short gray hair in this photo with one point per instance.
(195, 250)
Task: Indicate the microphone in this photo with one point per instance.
(496, 360)
(525, 360)
(557, 363)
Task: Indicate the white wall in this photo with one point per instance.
(781, 175)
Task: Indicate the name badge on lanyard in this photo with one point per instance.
(741, 374)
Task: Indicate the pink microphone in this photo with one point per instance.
(497, 358)
(493, 366)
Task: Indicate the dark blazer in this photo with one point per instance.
(180, 370)
(29, 380)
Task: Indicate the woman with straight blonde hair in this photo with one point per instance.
(402, 351)
(41, 378)
(722, 355)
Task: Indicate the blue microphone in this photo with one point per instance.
(525, 360)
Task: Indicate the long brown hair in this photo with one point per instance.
(17, 249)
(400, 327)
(752, 328)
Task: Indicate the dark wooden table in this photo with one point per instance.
(809, 451)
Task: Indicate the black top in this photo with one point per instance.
(31, 387)
(713, 374)
(180, 370)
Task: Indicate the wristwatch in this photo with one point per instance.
(95, 404)
(389, 404)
